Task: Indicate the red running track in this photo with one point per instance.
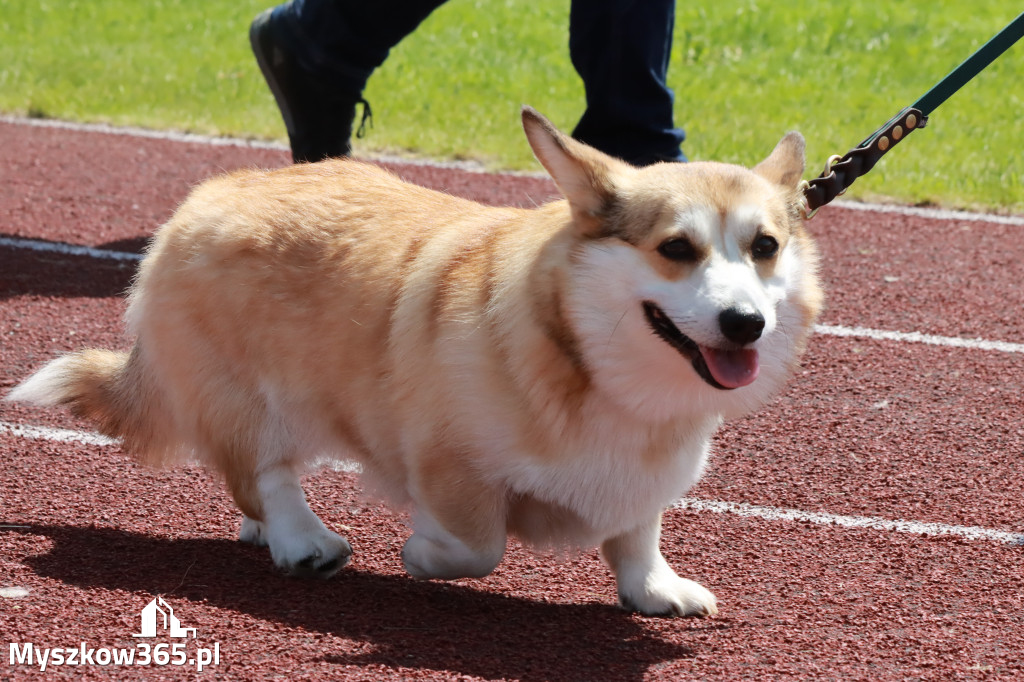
(870, 429)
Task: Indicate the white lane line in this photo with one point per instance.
(222, 141)
(868, 522)
(67, 249)
(346, 466)
(918, 337)
(55, 435)
(945, 215)
(689, 503)
(129, 131)
(87, 438)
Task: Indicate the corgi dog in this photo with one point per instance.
(553, 373)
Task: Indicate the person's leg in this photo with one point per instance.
(317, 55)
(621, 49)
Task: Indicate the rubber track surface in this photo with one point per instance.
(873, 428)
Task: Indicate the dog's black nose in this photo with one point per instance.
(741, 326)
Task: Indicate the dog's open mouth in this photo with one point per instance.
(721, 368)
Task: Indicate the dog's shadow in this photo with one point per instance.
(410, 623)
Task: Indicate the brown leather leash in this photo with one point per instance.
(841, 171)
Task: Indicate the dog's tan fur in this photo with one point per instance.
(333, 308)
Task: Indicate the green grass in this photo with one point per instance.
(744, 73)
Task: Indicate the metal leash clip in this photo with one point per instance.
(841, 171)
(805, 186)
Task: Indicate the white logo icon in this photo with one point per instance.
(170, 622)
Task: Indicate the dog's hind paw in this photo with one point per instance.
(670, 595)
(446, 558)
(253, 532)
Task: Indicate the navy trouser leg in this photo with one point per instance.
(343, 41)
(621, 49)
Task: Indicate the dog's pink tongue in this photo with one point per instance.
(731, 368)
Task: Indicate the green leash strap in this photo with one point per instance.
(841, 171)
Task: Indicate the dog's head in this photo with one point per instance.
(691, 287)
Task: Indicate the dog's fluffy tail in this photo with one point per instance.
(109, 388)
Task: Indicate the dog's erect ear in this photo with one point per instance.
(785, 165)
(585, 176)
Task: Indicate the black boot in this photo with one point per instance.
(319, 119)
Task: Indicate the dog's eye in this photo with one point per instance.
(764, 247)
(677, 249)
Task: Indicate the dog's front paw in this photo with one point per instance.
(666, 594)
(315, 554)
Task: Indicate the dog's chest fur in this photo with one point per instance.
(593, 492)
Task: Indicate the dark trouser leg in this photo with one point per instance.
(345, 40)
(621, 49)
